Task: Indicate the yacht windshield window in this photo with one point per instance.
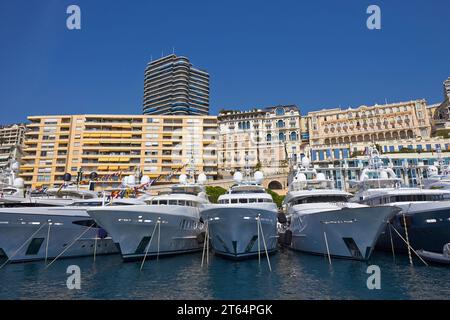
(163, 202)
(87, 204)
(181, 202)
(321, 198)
(243, 200)
(119, 204)
(416, 197)
(234, 201)
(238, 191)
(251, 200)
(173, 202)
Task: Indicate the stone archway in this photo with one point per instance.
(275, 185)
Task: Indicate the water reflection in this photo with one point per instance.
(295, 276)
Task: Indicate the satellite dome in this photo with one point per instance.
(131, 180)
(15, 166)
(145, 179)
(306, 162)
(18, 183)
(201, 178)
(321, 176)
(432, 171)
(182, 179)
(237, 177)
(259, 177)
(384, 174)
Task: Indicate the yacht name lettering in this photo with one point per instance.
(339, 221)
(187, 310)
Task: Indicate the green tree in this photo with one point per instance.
(276, 198)
(214, 193)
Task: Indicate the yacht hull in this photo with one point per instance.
(178, 232)
(427, 230)
(346, 233)
(234, 230)
(31, 237)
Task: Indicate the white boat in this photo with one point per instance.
(168, 224)
(36, 233)
(436, 180)
(244, 222)
(322, 221)
(424, 219)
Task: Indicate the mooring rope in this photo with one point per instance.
(259, 241)
(328, 249)
(95, 245)
(398, 233)
(205, 245)
(47, 242)
(159, 238)
(149, 244)
(407, 238)
(392, 241)
(70, 245)
(264, 242)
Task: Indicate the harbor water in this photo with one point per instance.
(294, 276)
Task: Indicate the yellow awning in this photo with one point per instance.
(103, 160)
(125, 135)
(124, 159)
(112, 168)
(115, 135)
(102, 168)
(123, 167)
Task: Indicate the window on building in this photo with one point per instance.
(279, 112)
(294, 136)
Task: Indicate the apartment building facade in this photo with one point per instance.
(11, 139)
(266, 139)
(115, 146)
(173, 86)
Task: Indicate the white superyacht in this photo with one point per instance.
(323, 221)
(168, 224)
(244, 222)
(424, 220)
(51, 229)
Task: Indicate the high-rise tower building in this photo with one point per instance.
(172, 86)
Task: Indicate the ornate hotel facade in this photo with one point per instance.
(441, 115)
(260, 138)
(395, 121)
(117, 145)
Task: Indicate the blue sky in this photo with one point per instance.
(316, 54)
